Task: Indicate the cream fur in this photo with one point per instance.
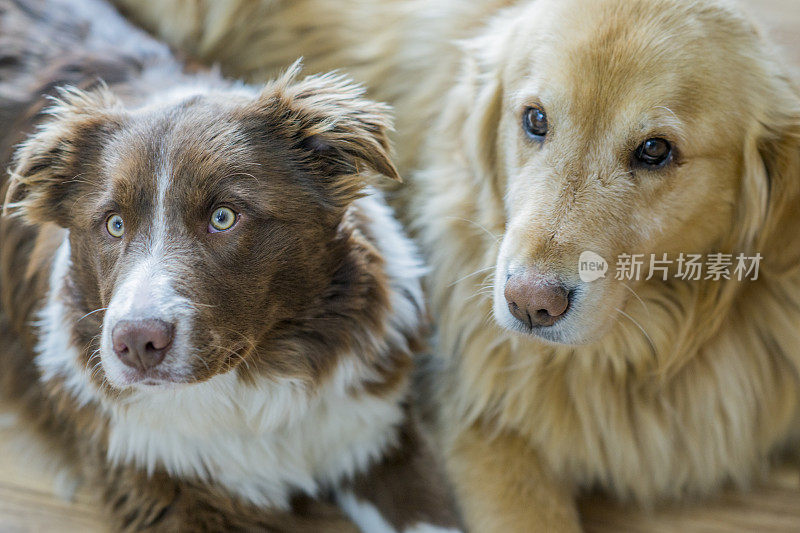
(693, 384)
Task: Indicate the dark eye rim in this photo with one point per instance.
(527, 126)
(640, 161)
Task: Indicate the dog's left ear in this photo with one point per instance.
(771, 183)
(341, 135)
(48, 170)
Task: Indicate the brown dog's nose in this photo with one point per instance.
(142, 344)
(536, 300)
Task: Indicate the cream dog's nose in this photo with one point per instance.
(535, 299)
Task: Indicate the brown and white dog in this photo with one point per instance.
(564, 126)
(203, 308)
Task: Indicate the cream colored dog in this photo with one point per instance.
(554, 128)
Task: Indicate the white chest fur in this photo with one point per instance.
(261, 441)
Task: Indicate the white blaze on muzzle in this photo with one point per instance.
(146, 306)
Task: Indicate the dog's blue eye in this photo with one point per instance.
(534, 122)
(223, 218)
(115, 226)
(653, 153)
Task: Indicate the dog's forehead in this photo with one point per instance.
(200, 131)
(185, 143)
(617, 53)
(611, 73)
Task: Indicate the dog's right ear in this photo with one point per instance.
(47, 173)
(481, 94)
(343, 136)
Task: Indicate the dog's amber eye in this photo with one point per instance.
(223, 218)
(534, 122)
(653, 153)
(115, 226)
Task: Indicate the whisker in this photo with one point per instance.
(243, 336)
(650, 340)
(637, 297)
(492, 235)
(667, 109)
(91, 313)
(487, 317)
(76, 179)
(470, 275)
(200, 304)
(197, 356)
(232, 353)
(246, 363)
(479, 294)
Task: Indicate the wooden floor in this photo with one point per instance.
(28, 504)
(771, 507)
(28, 501)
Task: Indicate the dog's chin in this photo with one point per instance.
(123, 378)
(146, 381)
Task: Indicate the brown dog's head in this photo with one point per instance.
(199, 223)
(628, 127)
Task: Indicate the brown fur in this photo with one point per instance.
(295, 290)
(696, 384)
(399, 492)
